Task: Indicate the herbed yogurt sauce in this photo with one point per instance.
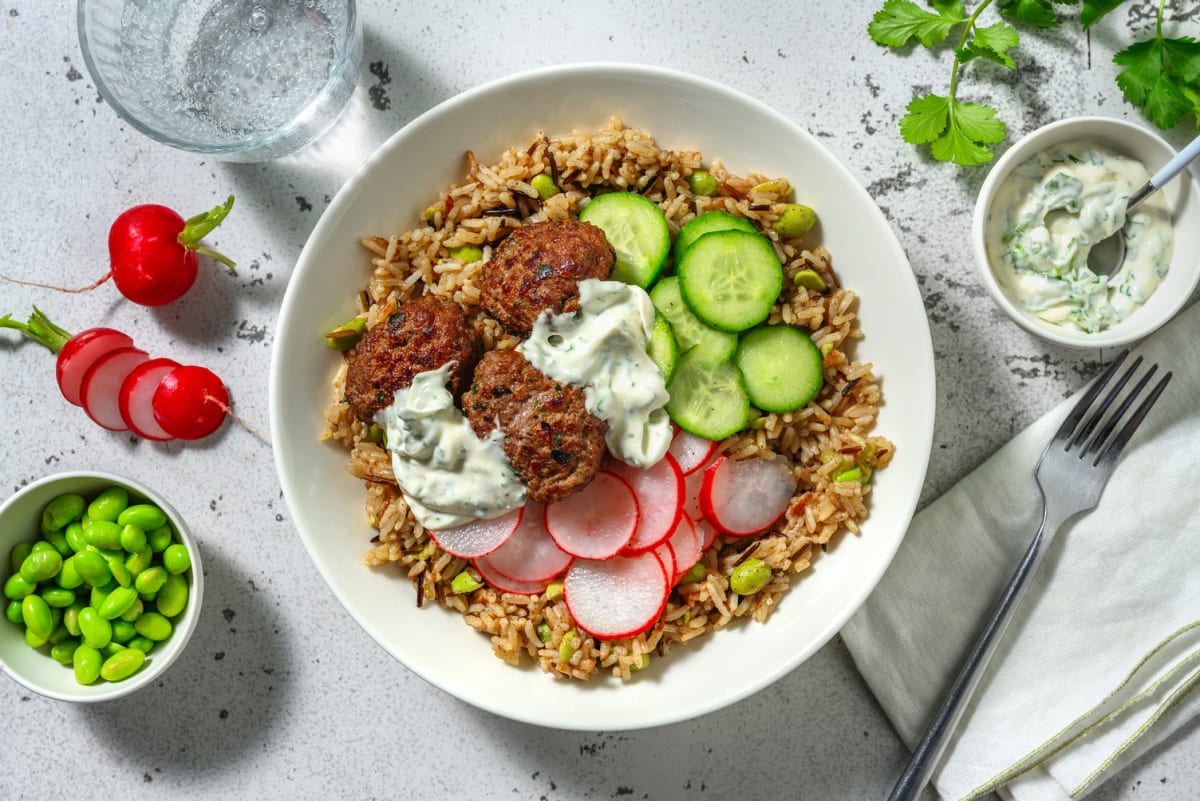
(450, 476)
(1047, 216)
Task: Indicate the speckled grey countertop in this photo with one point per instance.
(280, 694)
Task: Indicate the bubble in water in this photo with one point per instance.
(260, 19)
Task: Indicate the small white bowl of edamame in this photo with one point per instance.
(102, 586)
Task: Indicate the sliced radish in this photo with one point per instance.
(748, 496)
(100, 392)
(691, 495)
(79, 353)
(685, 545)
(136, 393)
(708, 533)
(505, 584)
(597, 521)
(666, 555)
(479, 537)
(691, 452)
(618, 597)
(190, 402)
(659, 493)
(530, 554)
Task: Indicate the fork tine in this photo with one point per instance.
(1068, 425)
(1098, 441)
(1115, 447)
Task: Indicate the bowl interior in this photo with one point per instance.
(387, 195)
(20, 520)
(1181, 195)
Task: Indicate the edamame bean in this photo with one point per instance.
(96, 631)
(93, 568)
(36, 614)
(58, 597)
(113, 647)
(68, 578)
(108, 505)
(75, 538)
(464, 582)
(749, 577)
(153, 626)
(63, 652)
(17, 555)
(120, 573)
(139, 560)
(172, 596)
(702, 182)
(150, 580)
(123, 631)
(134, 612)
(795, 220)
(544, 185)
(566, 648)
(695, 573)
(87, 662)
(117, 603)
(143, 644)
(132, 538)
(160, 538)
(122, 664)
(176, 558)
(143, 515)
(59, 542)
(16, 588)
(34, 640)
(63, 510)
(103, 534)
(810, 280)
(13, 613)
(59, 634)
(98, 594)
(41, 564)
(71, 618)
(467, 254)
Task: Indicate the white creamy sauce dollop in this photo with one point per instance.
(1047, 216)
(449, 476)
(602, 348)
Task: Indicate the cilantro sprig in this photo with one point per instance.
(1161, 76)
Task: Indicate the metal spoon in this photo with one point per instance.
(1109, 254)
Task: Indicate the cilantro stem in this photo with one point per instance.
(968, 29)
(1158, 25)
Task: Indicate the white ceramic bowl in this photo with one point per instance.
(387, 196)
(1152, 150)
(20, 520)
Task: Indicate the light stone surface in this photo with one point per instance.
(280, 694)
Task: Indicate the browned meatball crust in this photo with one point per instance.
(554, 444)
(420, 335)
(539, 267)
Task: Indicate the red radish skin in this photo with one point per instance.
(190, 402)
(666, 555)
(137, 392)
(685, 545)
(101, 389)
(503, 583)
(596, 522)
(659, 492)
(79, 353)
(529, 555)
(691, 452)
(478, 537)
(746, 497)
(708, 533)
(618, 597)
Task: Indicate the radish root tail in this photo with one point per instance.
(229, 412)
(87, 288)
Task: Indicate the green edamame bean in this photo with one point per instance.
(63, 651)
(134, 611)
(17, 555)
(58, 541)
(96, 631)
(122, 664)
(87, 662)
(117, 603)
(132, 538)
(98, 594)
(68, 578)
(467, 254)
(143, 515)
(150, 580)
(33, 639)
(123, 632)
(139, 560)
(75, 538)
(63, 510)
(12, 613)
(59, 634)
(93, 568)
(120, 573)
(16, 588)
(36, 614)
(103, 534)
(544, 185)
(71, 618)
(143, 644)
(159, 538)
(41, 545)
(176, 558)
(58, 597)
(749, 577)
(41, 564)
(113, 647)
(702, 182)
(795, 220)
(172, 597)
(108, 505)
(153, 626)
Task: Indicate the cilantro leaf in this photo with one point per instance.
(1166, 105)
(1034, 13)
(956, 132)
(1143, 64)
(901, 20)
(949, 8)
(1157, 73)
(993, 42)
(1093, 10)
(1183, 58)
(926, 119)
(955, 146)
(978, 122)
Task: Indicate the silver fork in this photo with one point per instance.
(1071, 474)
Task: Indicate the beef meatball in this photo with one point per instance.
(554, 444)
(539, 267)
(420, 335)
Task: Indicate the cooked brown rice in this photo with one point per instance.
(822, 439)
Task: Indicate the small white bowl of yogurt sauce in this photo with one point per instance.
(1057, 192)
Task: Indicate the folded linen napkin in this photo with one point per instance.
(1100, 661)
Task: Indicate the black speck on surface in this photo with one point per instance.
(228, 614)
(303, 203)
(377, 92)
(147, 778)
(12, 12)
(224, 713)
(218, 656)
(74, 74)
(745, 58)
(872, 87)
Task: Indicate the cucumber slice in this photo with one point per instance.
(707, 223)
(730, 279)
(781, 367)
(637, 230)
(708, 398)
(662, 348)
(689, 331)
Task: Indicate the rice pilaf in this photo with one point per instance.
(821, 439)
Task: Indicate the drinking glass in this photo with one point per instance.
(241, 80)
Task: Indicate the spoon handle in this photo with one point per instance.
(1176, 165)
